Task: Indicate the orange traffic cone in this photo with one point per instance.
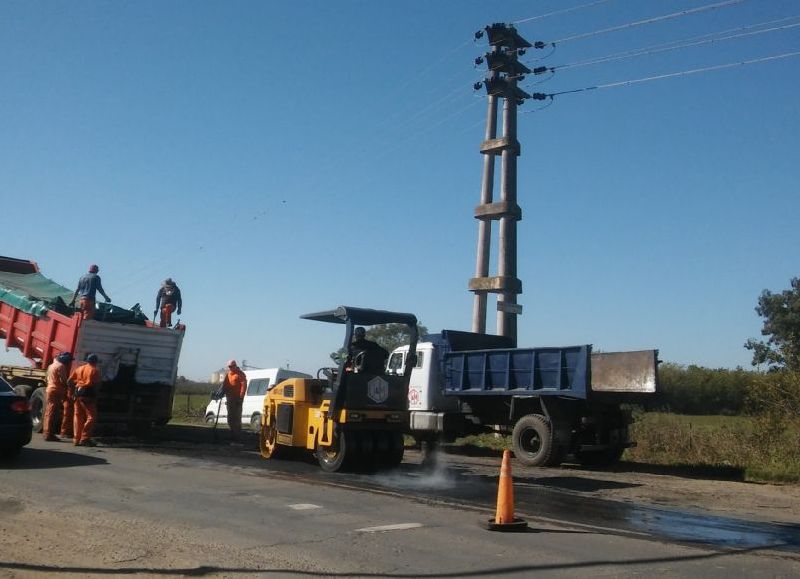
(504, 519)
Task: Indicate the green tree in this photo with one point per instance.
(781, 313)
(389, 336)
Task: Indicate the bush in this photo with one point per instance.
(702, 391)
(774, 400)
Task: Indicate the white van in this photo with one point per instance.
(258, 383)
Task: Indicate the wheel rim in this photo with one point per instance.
(36, 413)
(269, 438)
(330, 453)
(531, 441)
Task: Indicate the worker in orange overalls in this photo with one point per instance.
(57, 375)
(68, 411)
(235, 386)
(87, 380)
(88, 286)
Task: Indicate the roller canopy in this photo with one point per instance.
(362, 316)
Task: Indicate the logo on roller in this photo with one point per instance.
(378, 390)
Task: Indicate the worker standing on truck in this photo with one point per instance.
(57, 375)
(235, 386)
(168, 300)
(88, 286)
(373, 356)
(87, 380)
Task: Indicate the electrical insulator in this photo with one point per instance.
(478, 61)
(477, 85)
(539, 96)
(539, 44)
(540, 70)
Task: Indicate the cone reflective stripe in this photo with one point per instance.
(505, 492)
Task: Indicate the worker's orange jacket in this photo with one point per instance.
(235, 383)
(86, 376)
(57, 377)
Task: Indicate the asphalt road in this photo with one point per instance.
(178, 507)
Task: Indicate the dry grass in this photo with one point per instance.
(763, 451)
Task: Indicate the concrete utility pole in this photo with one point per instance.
(504, 70)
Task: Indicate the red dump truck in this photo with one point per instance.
(138, 360)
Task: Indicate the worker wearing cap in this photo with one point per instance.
(168, 300)
(86, 379)
(57, 375)
(235, 386)
(88, 286)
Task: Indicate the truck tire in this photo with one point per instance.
(255, 422)
(532, 441)
(37, 402)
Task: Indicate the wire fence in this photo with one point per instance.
(190, 405)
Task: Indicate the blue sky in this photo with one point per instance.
(278, 158)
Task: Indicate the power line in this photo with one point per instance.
(540, 96)
(556, 12)
(650, 20)
(675, 45)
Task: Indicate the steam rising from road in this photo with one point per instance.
(432, 475)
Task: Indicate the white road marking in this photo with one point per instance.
(397, 527)
(304, 506)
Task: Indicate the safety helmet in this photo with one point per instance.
(92, 358)
(231, 364)
(93, 268)
(360, 332)
(169, 281)
(64, 357)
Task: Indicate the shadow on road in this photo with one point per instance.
(682, 471)
(38, 458)
(204, 570)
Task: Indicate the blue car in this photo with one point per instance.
(16, 426)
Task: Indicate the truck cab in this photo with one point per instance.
(426, 399)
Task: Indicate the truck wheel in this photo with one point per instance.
(37, 402)
(532, 441)
(599, 457)
(255, 422)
